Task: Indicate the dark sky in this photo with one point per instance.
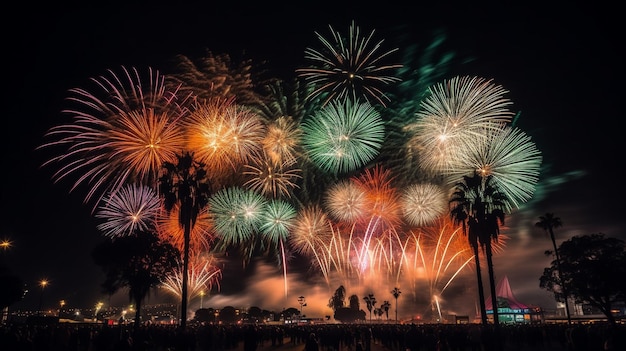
(562, 65)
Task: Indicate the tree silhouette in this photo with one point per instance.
(228, 315)
(378, 312)
(396, 293)
(185, 184)
(370, 300)
(549, 222)
(354, 303)
(138, 261)
(592, 268)
(385, 307)
(11, 292)
(337, 301)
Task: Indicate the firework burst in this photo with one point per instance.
(133, 207)
(346, 201)
(237, 214)
(203, 275)
(214, 75)
(349, 68)
(121, 132)
(455, 115)
(423, 203)
(201, 235)
(282, 140)
(343, 136)
(270, 178)
(510, 156)
(311, 232)
(224, 136)
(277, 222)
(381, 196)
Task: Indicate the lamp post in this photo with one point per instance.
(43, 283)
(302, 302)
(5, 244)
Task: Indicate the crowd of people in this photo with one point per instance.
(318, 337)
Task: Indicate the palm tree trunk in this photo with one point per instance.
(492, 284)
(481, 292)
(183, 304)
(558, 265)
(137, 314)
(396, 310)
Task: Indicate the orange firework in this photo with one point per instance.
(224, 136)
(282, 140)
(381, 196)
(201, 237)
(122, 131)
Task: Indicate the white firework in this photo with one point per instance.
(454, 116)
(423, 203)
(510, 156)
(132, 208)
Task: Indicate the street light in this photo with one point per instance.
(302, 302)
(43, 283)
(5, 244)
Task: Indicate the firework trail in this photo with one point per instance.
(277, 223)
(203, 275)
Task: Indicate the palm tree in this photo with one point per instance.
(185, 184)
(385, 307)
(549, 222)
(370, 300)
(479, 206)
(396, 293)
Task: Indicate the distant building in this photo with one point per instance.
(510, 310)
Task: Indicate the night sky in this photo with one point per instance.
(562, 65)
